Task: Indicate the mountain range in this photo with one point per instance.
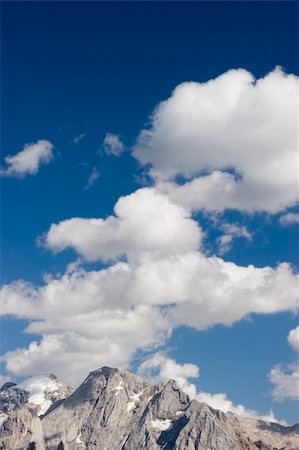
(116, 410)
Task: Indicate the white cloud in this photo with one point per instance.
(93, 176)
(286, 378)
(286, 381)
(235, 136)
(73, 355)
(221, 292)
(293, 339)
(103, 317)
(144, 221)
(79, 138)
(87, 320)
(222, 402)
(231, 231)
(289, 219)
(100, 317)
(160, 368)
(166, 282)
(28, 160)
(113, 145)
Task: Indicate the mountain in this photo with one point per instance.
(21, 407)
(115, 410)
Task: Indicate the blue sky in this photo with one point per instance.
(72, 69)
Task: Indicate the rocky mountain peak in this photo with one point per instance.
(38, 392)
(116, 410)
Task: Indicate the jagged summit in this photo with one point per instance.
(7, 385)
(37, 392)
(105, 370)
(116, 410)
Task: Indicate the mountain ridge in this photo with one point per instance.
(116, 410)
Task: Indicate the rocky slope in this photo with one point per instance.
(114, 410)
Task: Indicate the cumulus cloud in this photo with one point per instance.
(144, 221)
(93, 176)
(28, 160)
(286, 381)
(113, 312)
(293, 339)
(234, 139)
(112, 145)
(80, 335)
(286, 377)
(72, 355)
(160, 368)
(224, 292)
(289, 219)
(166, 281)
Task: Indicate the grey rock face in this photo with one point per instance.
(11, 398)
(119, 411)
(114, 410)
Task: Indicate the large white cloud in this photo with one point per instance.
(134, 305)
(144, 221)
(28, 160)
(165, 282)
(72, 355)
(237, 138)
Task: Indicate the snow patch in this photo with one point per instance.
(133, 400)
(161, 425)
(3, 419)
(78, 439)
(37, 387)
(118, 388)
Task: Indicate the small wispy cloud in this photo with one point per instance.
(231, 231)
(79, 138)
(93, 176)
(28, 160)
(289, 219)
(112, 145)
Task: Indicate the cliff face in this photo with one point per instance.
(114, 410)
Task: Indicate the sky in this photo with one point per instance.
(149, 215)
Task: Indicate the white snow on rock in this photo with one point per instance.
(3, 419)
(38, 388)
(161, 425)
(133, 400)
(118, 388)
(78, 439)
